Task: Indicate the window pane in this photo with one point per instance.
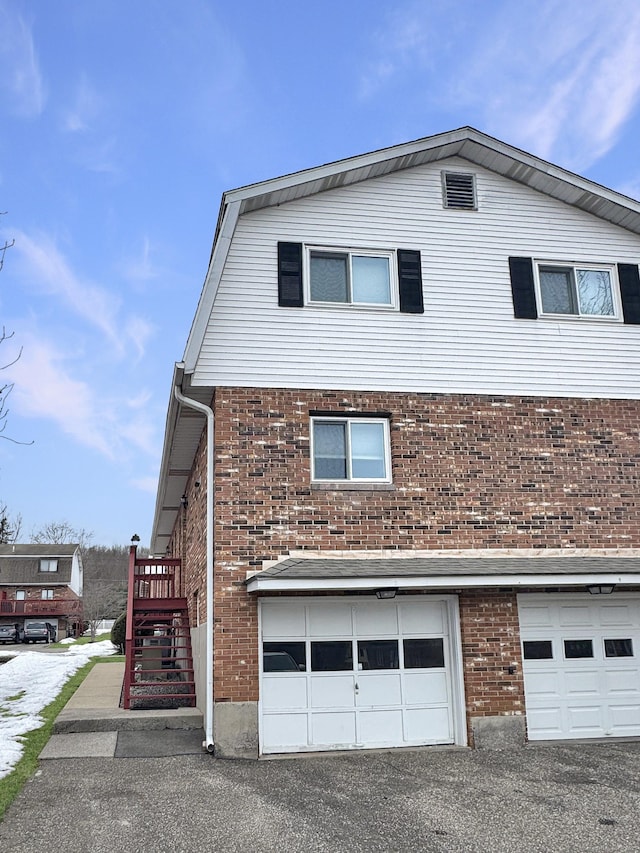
(283, 657)
(334, 656)
(423, 653)
(367, 451)
(370, 280)
(537, 650)
(618, 648)
(556, 287)
(329, 451)
(594, 292)
(328, 277)
(578, 648)
(378, 654)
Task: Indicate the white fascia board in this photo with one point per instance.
(212, 282)
(271, 584)
(170, 424)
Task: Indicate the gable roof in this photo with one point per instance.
(20, 564)
(184, 426)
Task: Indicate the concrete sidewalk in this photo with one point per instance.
(92, 724)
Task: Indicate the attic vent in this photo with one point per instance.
(459, 190)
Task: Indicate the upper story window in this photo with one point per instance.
(332, 277)
(352, 277)
(48, 565)
(591, 292)
(350, 449)
(577, 291)
(47, 594)
(20, 595)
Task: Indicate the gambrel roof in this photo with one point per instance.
(184, 426)
(20, 564)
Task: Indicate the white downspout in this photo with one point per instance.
(208, 412)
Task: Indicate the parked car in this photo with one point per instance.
(35, 632)
(8, 634)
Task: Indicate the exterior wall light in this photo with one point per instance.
(601, 588)
(184, 503)
(386, 593)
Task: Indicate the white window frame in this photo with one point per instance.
(611, 269)
(350, 251)
(347, 420)
(49, 564)
(47, 594)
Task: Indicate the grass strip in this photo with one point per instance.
(35, 741)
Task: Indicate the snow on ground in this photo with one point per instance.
(28, 683)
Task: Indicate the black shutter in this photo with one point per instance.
(629, 279)
(523, 288)
(410, 281)
(290, 275)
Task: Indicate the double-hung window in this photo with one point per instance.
(350, 277)
(350, 449)
(47, 595)
(48, 565)
(577, 291)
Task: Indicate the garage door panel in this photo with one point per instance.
(382, 726)
(280, 693)
(379, 689)
(544, 685)
(331, 691)
(284, 732)
(428, 725)
(586, 719)
(546, 722)
(574, 615)
(333, 729)
(282, 621)
(423, 617)
(582, 682)
(622, 681)
(421, 688)
(327, 620)
(372, 620)
(536, 615)
(624, 718)
(617, 615)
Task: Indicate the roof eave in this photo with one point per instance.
(257, 584)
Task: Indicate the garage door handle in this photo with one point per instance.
(357, 687)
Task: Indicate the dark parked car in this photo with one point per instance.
(8, 634)
(35, 632)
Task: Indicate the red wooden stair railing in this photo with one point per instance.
(159, 663)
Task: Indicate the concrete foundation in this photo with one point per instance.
(498, 732)
(235, 729)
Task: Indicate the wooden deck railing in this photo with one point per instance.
(42, 607)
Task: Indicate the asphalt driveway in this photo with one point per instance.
(582, 798)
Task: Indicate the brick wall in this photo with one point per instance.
(468, 472)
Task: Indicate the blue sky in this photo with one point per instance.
(121, 123)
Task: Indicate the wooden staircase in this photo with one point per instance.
(159, 663)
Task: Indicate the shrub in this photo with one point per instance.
(119, 632)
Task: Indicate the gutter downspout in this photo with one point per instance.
(208, 412)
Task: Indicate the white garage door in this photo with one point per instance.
(581, 665)
(344, 674)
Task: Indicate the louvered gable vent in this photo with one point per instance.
(459, 190)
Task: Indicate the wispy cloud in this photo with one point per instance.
(86, 107)
(47, 269)
(20, 76)
(141, 268)
(145, 484)
(46, 388)
(558, 78)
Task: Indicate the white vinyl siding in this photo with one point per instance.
(467, 341)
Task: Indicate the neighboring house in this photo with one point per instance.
(41, 583)
(415, 510)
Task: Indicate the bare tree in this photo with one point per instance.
(103, 600)
(61, 533)
(9, 527)
(7, 387)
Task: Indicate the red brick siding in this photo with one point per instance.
(468, 472)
